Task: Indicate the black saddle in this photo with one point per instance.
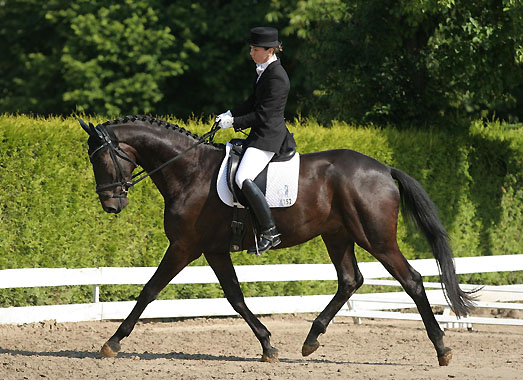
(260, 181)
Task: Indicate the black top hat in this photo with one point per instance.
(264, 36)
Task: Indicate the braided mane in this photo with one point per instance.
(161, 123)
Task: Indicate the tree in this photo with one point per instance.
(146, 56)
(362, 61)
(88, 56)
(220, 71)
(409, 60)
(117, 56)
(30, 73)
(475, 57)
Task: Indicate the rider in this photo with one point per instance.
(263, 112)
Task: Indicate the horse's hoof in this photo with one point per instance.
(270, 356)
(110, 349)
(445, 358)
(309, 348)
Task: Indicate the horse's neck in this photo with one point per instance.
(154, 146)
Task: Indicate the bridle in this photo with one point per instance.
(110, 142)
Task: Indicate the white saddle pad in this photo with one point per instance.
(282, 182)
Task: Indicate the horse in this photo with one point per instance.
(344, 196)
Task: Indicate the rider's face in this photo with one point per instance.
(260, 54)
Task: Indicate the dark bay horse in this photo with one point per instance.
(344, 196)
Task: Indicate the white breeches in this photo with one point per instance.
(253, 162)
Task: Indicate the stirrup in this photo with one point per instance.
(267, 240)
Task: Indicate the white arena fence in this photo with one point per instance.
(369, 305)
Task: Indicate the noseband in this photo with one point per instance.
(110, 142)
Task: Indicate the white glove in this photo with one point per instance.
(225, 120)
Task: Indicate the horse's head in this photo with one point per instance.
(112, 165)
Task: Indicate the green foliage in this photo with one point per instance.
(125, 57)
(50, 215)
(408, 61)
(117, 57)
(30, 79)
(474, 54)
(361, 61)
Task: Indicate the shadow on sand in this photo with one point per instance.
(73, 354)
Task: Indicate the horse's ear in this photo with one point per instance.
(85, 126)
(95, 132)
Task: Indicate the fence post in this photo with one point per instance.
(96, 293)
(356, 320)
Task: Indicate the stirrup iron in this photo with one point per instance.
(268, 239)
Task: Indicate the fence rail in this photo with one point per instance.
(373, 305)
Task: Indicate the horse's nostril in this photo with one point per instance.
(110, 210)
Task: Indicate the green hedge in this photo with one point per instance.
(50, 215)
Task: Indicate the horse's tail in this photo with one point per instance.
(417, 205)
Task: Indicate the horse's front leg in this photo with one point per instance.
(222, 266)
(174, 260)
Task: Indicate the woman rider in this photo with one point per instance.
(263, 112)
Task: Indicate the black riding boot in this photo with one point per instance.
(269, 236)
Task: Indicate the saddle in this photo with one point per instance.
(283, 168)
(233, 162)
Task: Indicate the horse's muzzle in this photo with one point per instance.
(114, 205)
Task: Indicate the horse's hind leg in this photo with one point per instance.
(412, 282)
(224, 270)
(172, 263)
(341, 252)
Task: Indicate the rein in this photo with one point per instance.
(115, 151)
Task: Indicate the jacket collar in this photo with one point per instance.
(260, 67)
(259, 78)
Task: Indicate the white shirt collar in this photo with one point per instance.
(260, 67)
